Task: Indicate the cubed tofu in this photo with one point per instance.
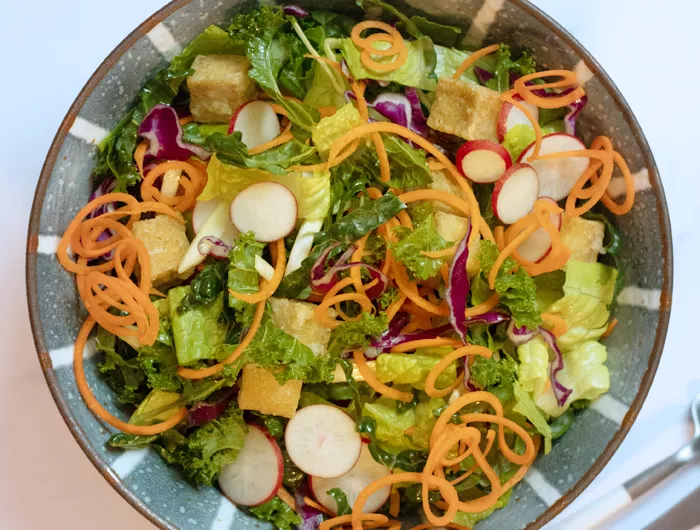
(443, 182)
(466, 110)
(583, 238)
(453, 228)
(219, 85)
(298, 320)
(166, 243)
(261, 392)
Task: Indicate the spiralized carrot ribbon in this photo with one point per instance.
(559, 325)
(192, 182)
(391, 35)
(370, 377)
(483, 307)
(448, 360)
(567, 80)
(469, 61)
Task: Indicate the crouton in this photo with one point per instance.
(583, 238)
(443, 182)
(466, 110)
(219, 85)
(453, 228)
(298, 320)
(166, 242)
(261, 392)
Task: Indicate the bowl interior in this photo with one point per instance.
(156, 489)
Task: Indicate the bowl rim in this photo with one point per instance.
(175, 5)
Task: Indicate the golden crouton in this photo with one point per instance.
(260, 391)
(583, 238)
(466, 110)
(166, 242)
(298, 320)
(453, 228)
(219, 85)
(443, 182)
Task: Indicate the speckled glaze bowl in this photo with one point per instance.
(155, 489)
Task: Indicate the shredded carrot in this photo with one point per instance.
(410, 289)
(425, 343)
(191, 373)
(313, 504)
(267, 289)
(469, 61)
(370, 377)
(498, 234)
(192, 183)
(394, 307)
(327, 111)
(568, 80)
(559, 324)
(140, 154)
(437, 195)
(434, 165)
(446, 253)
(613, 324)
(333, 64)
(371, 64)
(394, 503)
(286, 498)
(283, 138)
(321, 310)
(391, 35)
(446, 361)
(483, 307)
(445, 273)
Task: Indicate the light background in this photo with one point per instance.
(50, 49)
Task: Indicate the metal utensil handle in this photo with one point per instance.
(646, 480)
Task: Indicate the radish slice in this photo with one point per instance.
(257, 123)
(536, 247)
(483, 161)
(267, 208)
(510, 116)
(256, 475)
(201, 212)
(171, 183)
(558, 176)
(321, 440)
(515, 193)
(363, 473)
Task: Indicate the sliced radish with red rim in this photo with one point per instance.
(267, 208)
(515, 193)
(255, 476)
(557, 176)
(257, 122)
(363, 473)
(321, 441)
(483, 161)
(510, 116)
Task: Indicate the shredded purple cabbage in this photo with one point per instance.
(161, 127)
(561, 392)
(311, 518)
(213, 246)
(458, 287)
(295, 11)
(203, 412)
(484, 76)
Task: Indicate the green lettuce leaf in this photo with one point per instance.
(522, 136)
(391, 424)
(206, 286)
(413, 370)
(202, 454)
(584, 372)
(198, 333)
(323, 92)
(157, 407)
(278, 513)
(415, 72)
(491, 373)
(408, 166)
(120, 369)
(407, 460)
(516, 290)
(423, 237)
(341, 501)
(116, 151)
(353, 335)
(242, 276)
(505, 65)
(533, 372)
(227, 181)
(526, 406)
(588, 292)
(426, 420)
(330, 129)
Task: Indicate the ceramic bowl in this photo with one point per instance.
(154, 488)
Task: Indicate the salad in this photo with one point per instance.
(348, 271)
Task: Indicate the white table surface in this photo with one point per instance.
(50, 49)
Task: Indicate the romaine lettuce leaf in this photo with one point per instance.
(391, 425)
(584, 372)
(425, 420)
(198, 333)
(412, 370)
(330, 129)
(588, 291)
(526, 406)
(227, 181)
(533, 372)
(516, 289)
(423, 238)
(157, 407)
(415, 72)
